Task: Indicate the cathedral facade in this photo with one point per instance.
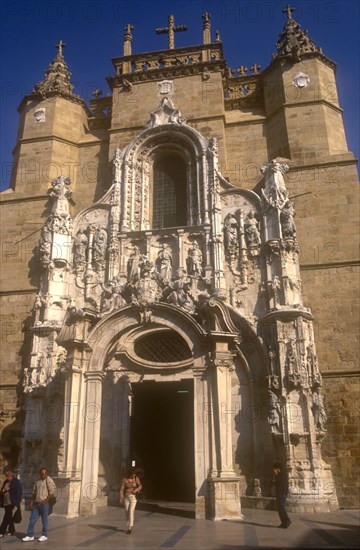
(171, 312)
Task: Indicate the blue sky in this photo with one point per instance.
(93, 32)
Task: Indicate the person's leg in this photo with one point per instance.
(127, 508)
(6, 519)
(11, 521)
(132, 507)
(33, 519)
(285, 520)
(44, 512)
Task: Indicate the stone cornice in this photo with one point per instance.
(69, 97)
(309, 55)
(57, 138)
(340, 374)
(330, 265)
(19, 198)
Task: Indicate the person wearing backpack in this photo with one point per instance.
(44, 490)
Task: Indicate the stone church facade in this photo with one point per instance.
(162, 304)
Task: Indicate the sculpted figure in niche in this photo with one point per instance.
(180, 289)
(274, 417)
(287, 220)
(164, 262)
(318, 409)
(100, 245)
(276, 288)
(231, 235)
(111, 296)
(80, 247)
(275, 192)
(133, 265)
(45, 243)
(252, 233)
(194, 260)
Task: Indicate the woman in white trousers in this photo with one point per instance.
(129, 488)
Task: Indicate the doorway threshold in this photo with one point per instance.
(183, 509)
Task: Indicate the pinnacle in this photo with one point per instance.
(294, 41)
(57, 77)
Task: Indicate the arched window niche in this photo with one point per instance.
(169, 191)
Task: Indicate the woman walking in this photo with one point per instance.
(10, 496)
(129, 488)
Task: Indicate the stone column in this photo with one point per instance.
(224, 490)
(92, 422)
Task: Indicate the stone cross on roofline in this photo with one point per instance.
(60, 45)
(171, 30)
(289, 10)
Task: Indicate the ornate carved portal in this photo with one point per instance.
(223, 291)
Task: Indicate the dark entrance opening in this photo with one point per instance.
(162, 439)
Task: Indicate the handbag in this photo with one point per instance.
(17, 516)
(51, 498)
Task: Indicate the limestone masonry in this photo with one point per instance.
(179, 287)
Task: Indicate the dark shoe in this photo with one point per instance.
(285, 525)
(128, 532)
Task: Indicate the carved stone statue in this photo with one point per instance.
(100, 246)
(231, 235)
(274, 417)
(133, 265)
(276, 288)
(45, 244)
(180, 292)
(194, 260)
(111, 298)
(252, 233)
(164, 263)
(60, 194)
(275, 193)
(80, 247)
(287, 220)
(318, 409)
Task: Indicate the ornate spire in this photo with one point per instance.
(57, 77)
(294, 41)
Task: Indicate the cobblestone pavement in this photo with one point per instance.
(157, 527)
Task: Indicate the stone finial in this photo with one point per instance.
(206, 27)
(217, 36)
(128, 39)
(294, 41)
(57, 77)
(171, 30)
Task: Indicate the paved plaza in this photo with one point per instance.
(160, 527)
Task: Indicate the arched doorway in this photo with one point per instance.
(162, 439)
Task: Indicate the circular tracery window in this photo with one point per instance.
(162, 347)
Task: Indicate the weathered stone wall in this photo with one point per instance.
(341, 444)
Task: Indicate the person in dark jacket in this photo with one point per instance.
(10, 493)
(281, 493)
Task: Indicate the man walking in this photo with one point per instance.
(39, 505)
(281, 493)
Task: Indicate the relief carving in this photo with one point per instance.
(287, 220)
(100, 248)
(194, 260)
(178, 292)
(80, 248)
(275, 193)
(252, 233)
(318, 409)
